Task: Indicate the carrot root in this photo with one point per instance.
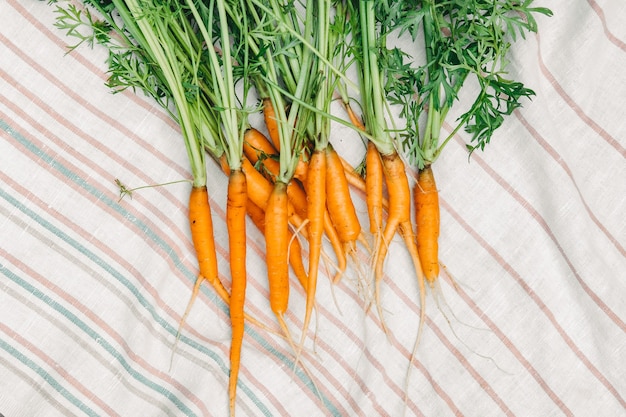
(236, 225)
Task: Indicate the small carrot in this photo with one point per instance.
(257, 215)
(301, 168)
(256, 148)
(236, 225)
(427, 220)
(339, 202)
(277, 246)
(374, 192)
(260, 189)
(257, 142)
(201, 225)
(353, 177)
(354, 119)
(316, 208)
(399, 218)
(271, 123)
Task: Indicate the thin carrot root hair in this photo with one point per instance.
(183, 319)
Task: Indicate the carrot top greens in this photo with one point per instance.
(462, 39)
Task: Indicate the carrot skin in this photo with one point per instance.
(399, 218)
(354, 119)
(257, 215)
(236, 225)
(269, 115)
(201, 225)
(316, 208)
(277, 246)
(427, 220)
(339, 201)
(374, 189)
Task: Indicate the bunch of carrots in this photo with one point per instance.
(212, 63)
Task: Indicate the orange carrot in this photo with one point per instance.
(257, 146)
(301, 169)
(297, 196)
(257, 215)
(427, 219)
(260, 189)
(399, 218)
(339, 202)
(356, 120)
(353, 177)
(269, 114)
(201, 225)
(277, 246)
(335, 242)
(316, 208)
(374, 191)
(256, 143)
(236, 225)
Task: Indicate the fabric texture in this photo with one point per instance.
(533, 233)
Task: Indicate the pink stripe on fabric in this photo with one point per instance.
(139, 277)
(102, 324)
(28, 379)
(487, 388)
(373, 316)
(485, 318)
(58, 38)
(183, 172)
(557, 158)
(94, 166)
(543, 307)
(546, 228)
(86, 393)
(606, 136)
(617, 42)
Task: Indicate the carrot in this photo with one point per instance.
(256, 147)
(271, 123)
(201, 225)
(353, 177)
(235, 222)
(339, 202)
(257, 142)
(316, 208)
(354, 119)
(399, 218)
(257, 215)
(374, 191)
(427, 220)
(277, 246)
(301, 168)
(333, 237)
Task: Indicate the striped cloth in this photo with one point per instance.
(533, 232)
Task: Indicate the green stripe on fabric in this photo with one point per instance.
(96, 337)
(161, 243)
(50, 380)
